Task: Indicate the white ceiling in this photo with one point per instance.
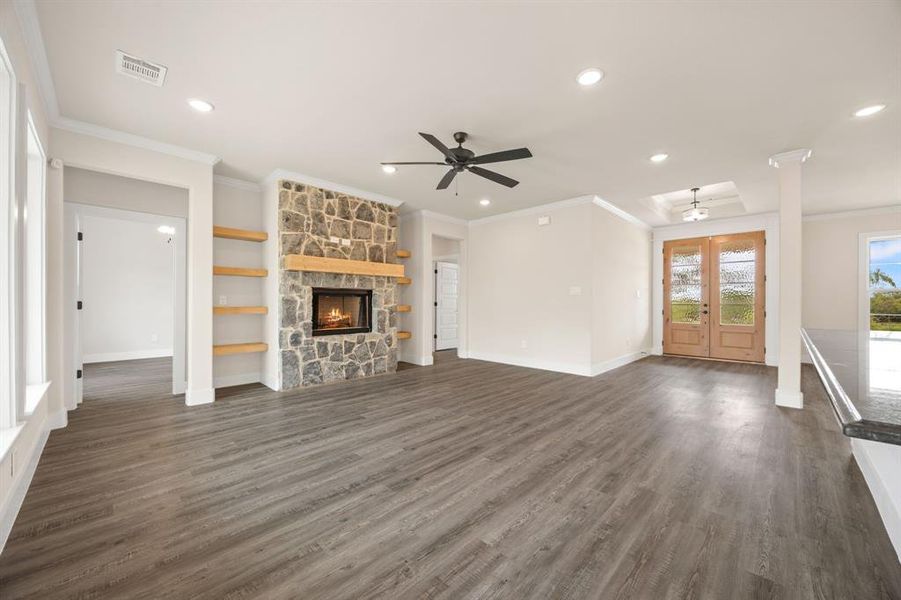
(331, 89)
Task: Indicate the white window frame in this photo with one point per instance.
(8, 124)
(36, 275)
(863, 298)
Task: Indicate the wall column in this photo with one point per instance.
(788, 388)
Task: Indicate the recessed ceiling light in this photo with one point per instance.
(484, 201)
(167, 229)
(659, 158)
(590, 76)
(869, 110)
(200, 105)
(389, 169)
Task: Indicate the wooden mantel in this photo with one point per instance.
(318, 264)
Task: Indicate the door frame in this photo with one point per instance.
(767, 222)
(447, 259)
(74, 212)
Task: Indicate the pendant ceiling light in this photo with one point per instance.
(695, 213)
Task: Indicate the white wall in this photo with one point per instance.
(415, 233)
(569, 296)
(239, 206)
(444, 247)
(530, 289)
(101, 189)
(128, 289)
(831, 278)
(621, 294)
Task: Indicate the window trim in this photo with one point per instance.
(8, 403)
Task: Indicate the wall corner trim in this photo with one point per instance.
(198, 397)
(27, 14)
(628, 217)
(789, 399)
(619, 361)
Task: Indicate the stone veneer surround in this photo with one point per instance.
(308, 217)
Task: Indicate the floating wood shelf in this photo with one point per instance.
(404, 335)
(225, 349)
(240, 234)
(404, 308)
(318, 264)
(239, 271)
(240, 310)
(402, 253)
(404, 281)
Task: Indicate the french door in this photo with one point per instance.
(714, 290)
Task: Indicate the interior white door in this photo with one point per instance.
(447, 286)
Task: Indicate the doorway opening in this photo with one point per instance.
(446, 292)
(126, 277)
(714, 289)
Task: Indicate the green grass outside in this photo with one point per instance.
(877, 326)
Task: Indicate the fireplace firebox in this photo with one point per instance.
(341, 311)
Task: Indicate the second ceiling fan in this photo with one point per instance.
(461, 159)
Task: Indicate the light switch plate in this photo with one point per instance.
(334, 239)
(575, 290)
(545, 220)
(345, 242)
(223, 300)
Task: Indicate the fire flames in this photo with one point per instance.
(335, 318)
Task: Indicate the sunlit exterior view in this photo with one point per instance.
(884, 282)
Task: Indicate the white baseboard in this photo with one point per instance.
(870, 456)
(237, 379)
(532, 363)
(198, 397)
(270, 381)
(613, 363)
(130, 355)
(11, 510)
(789, 399)
(422, 361)
(58, 420)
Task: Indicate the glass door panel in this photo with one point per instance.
(736, 324)
(685, 290)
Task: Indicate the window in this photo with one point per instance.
(884, 285)
(7, 239)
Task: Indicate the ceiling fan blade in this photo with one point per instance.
(495, 177)
(437, 143)
(501, 156)
(446, 180)
(414, 163)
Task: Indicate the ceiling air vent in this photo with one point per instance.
(138, 68)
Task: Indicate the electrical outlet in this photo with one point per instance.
(523, 343)
(345, 242)
(154, 338)
(223, 300)
(334, 239)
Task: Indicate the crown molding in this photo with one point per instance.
(27, 15)
(628, 217)
(278, 174)
(862, 212)
(129, 139)
(534, 210)
(792, 156)
(436, 216)
(240, 184)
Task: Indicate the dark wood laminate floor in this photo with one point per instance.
(667, 478)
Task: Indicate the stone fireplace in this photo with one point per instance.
(332, 340)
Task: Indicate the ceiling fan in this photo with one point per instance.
(461, 159)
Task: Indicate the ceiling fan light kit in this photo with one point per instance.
(461, 159)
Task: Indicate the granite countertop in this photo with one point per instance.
(862, 374)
